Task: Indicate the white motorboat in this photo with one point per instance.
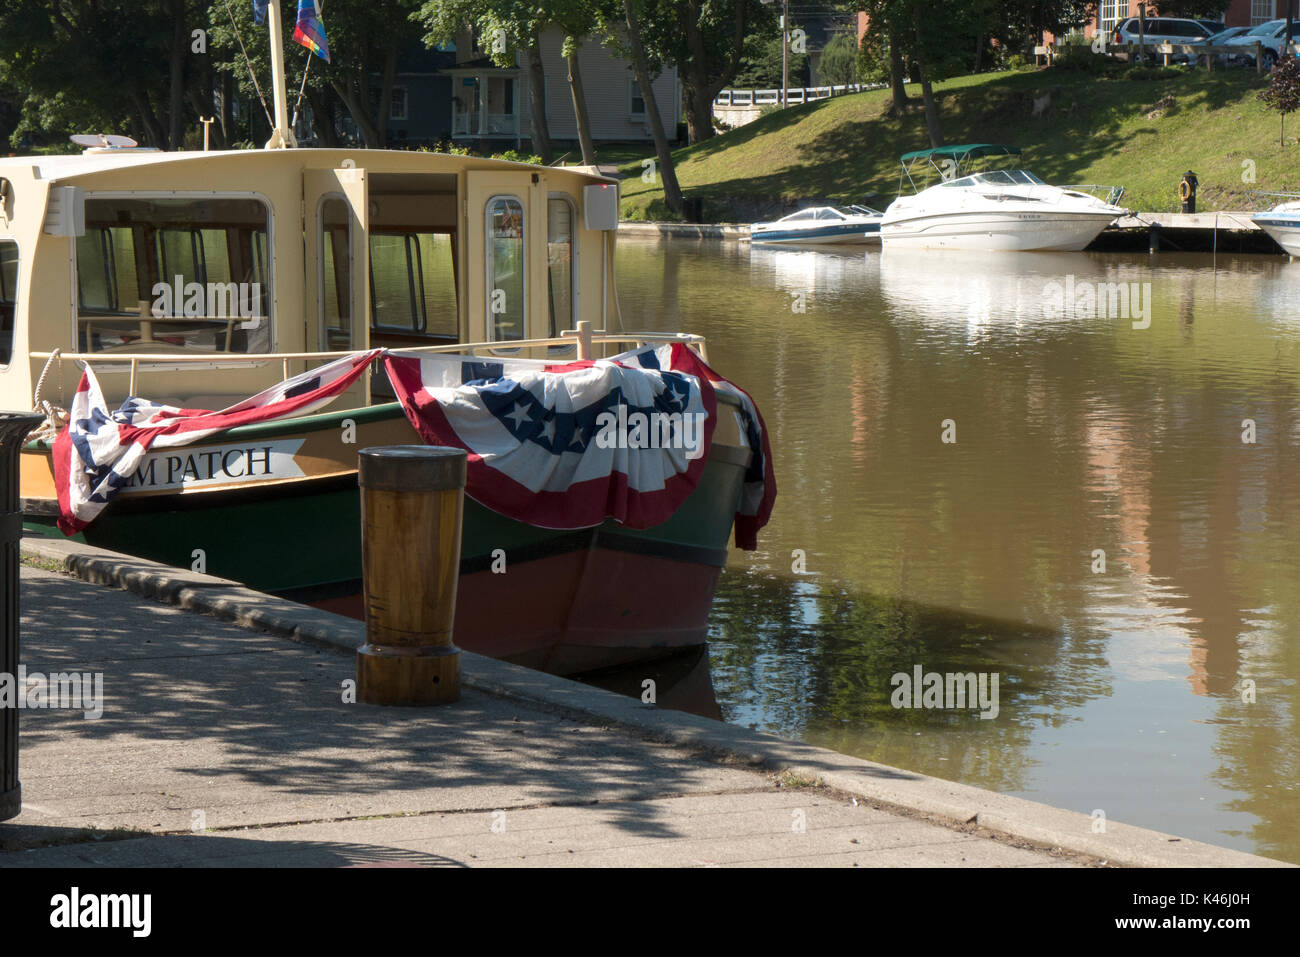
(822, 224)
(993, 209)
(1282, 222)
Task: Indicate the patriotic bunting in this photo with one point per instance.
(560, 446)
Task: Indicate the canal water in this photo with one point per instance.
(1112, 528)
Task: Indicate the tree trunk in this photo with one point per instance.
(386, 96)
(539, 130)
(580, 111)
(360, 115)
(176, 105)
(227, 109)
(322, 120)
(154, 133)
(641, 67)
(932, 125)
(897, 75)
(698, 92)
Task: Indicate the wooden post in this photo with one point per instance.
(412, 499)
(207, 122)
(584, 340)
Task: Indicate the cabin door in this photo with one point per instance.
(337, 220)
(506, 255)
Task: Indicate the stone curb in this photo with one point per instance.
(1121, 844)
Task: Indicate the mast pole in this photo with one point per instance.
(282, 135)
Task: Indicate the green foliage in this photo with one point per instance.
(873, 58)
(839, 61)
(1077, 57)
(760, 64)
(515, 156)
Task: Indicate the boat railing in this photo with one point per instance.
(584, 338)
(1263, 200)
(1110, 195)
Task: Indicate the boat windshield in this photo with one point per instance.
(1001, 177)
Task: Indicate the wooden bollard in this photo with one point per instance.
(412, 499)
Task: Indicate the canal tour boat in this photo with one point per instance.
(1282, 222)
(820, 225)
(1009, 209)
(330, 300)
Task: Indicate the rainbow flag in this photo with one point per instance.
(310, 30)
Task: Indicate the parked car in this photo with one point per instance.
(1220, 39)
(1159, 30)
(1269, 35)
(1216, 26)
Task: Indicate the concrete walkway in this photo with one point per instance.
(222, 745)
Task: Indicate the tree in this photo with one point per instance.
(705, 41)
(1283, 93)
(629, 32)
(101, 65)
(839, 61)
(359, 52)
(520, 23)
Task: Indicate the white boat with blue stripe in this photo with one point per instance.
(1282, 222)
(820, 225)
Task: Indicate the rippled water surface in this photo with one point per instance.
(1124, 690)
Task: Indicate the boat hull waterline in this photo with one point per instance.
(1023, 232)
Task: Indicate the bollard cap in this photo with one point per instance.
(16, 425)
(412, 468)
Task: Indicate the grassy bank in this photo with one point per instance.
(1136, 129)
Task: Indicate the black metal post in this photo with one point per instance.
(14, 427)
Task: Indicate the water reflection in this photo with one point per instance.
(1099, 532)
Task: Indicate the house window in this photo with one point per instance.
(200, 266)
(560, 263)
(1112, 12)
(1261, 11)
(397, 105)
(636, 102)
(506, 306)
(8, 297)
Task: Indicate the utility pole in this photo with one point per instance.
(785, 53)
(1290, 17)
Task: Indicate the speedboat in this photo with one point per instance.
(822, 224)
(1282, 222)
(993, 209)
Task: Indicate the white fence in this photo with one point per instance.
(795, 95)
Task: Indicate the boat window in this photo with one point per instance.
(177, 272)
(828, 213)
(413, 283)
(505, 269)
(336, 273)
(801, 215)
(8, 297)
(560, 264)
(964, 181)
